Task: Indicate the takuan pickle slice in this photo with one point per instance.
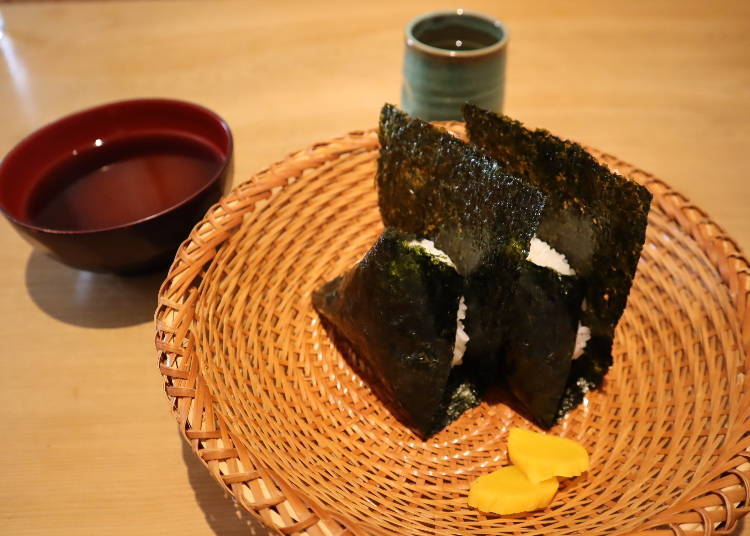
(543, 456)
(508, 491)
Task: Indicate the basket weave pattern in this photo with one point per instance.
(295, 435)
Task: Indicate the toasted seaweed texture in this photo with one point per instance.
(537, 361)
(397, 309)
(461, 394)
(595, 217)
(435, 186)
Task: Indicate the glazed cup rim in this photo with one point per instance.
(413, 42)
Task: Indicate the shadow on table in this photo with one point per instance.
(222, 515)
(89, 299)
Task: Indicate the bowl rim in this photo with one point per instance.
(30, 139)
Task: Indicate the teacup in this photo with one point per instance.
(453, 57)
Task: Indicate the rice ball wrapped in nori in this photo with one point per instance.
(594, 217)
(434, 185)
(538, 354)
(399, 310)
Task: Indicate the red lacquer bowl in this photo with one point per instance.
(147, 241)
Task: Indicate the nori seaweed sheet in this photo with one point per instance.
(537, 360)
(461, 394)
(397, 308)
(595, 217)
(436, 186)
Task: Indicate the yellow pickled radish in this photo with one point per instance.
(508, 491)
(542, 456)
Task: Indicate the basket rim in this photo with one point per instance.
(724, 499)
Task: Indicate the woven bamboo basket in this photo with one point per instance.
(299, 440)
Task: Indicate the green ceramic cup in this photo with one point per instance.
(453, 57)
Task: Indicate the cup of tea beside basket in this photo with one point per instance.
(453, 57)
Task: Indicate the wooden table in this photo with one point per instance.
(89, 446)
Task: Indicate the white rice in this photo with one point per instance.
(462, 339)
(582, 338)
(542, 254)
(429, 247)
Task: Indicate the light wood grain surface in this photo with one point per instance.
(89, 446)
